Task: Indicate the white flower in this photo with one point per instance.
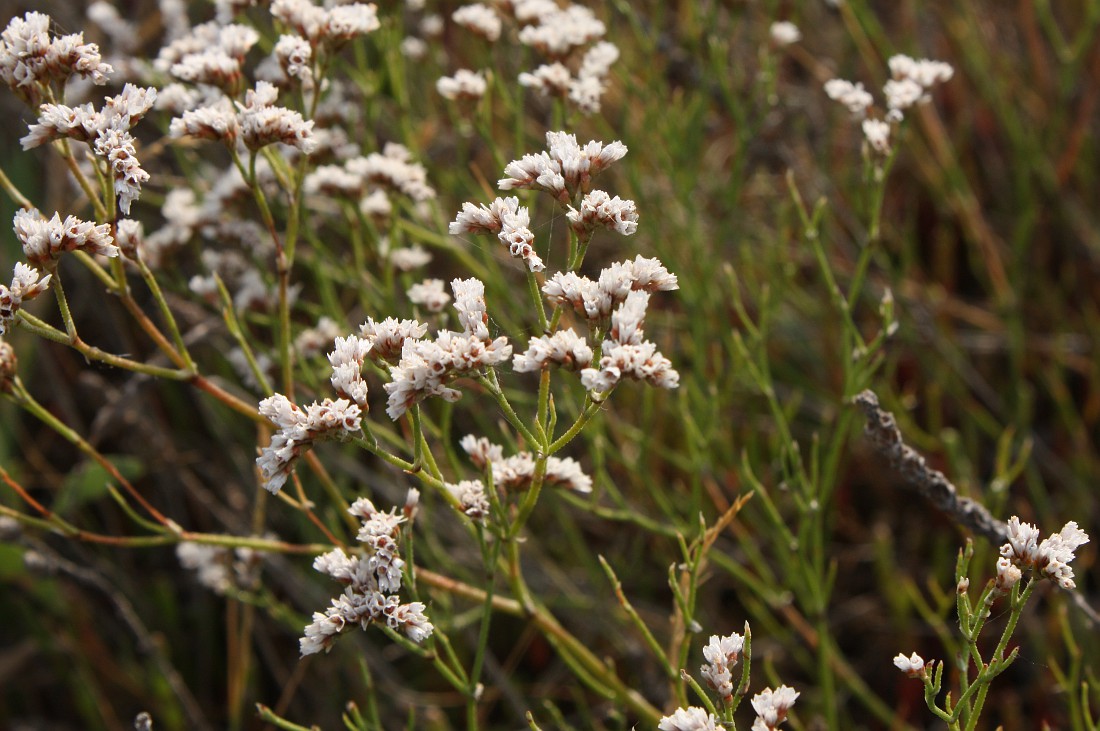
(408, 258)
(294, 54)
(771, 706)
(392, 168)
(600, 209)
(598, 59)
(564, 348)
(912, 666)
(371, 584)
(333, 181)
(1008, 574)
(376, 205)
(471, 498)
(429, 293)
(44, 241)
(784, 33)
(585, 92)
(877, 133)
(722, 654)
(426, 367)
(298, 430)
(208, 562)
(388, 336)
(902, 94)
(548, 79)
(481, 451)
(213, 67)
(853, 96)
(465, 84)
(479, 18)
(413, 48)
(490, 219)
(559, 31)
(925, 72)
(216, 122)
(689, 719)
(347, 362)
(470, 304)
(1051, 557)
(639, 362)
(565, 166)
(25, 286)
(567, 472)
(333, 25)
(262, 123)
(30, 58)
(431, 26)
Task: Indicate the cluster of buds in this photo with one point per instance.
(257, 122)
(1050, 557)
(25, 286)
(107, 132)
(516, 473)
(44, 241)
(299, 429)
(371, 584)
(31, 61)
(565, 169)
(721, 655)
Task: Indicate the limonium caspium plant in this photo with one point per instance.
(422, 284)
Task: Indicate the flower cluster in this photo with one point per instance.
(298, 430)
(257, 122)
(772, 706)
(354, 180)
(327, 25)
(557, 33)
(423, 368)
(621, 292)
(565, 169)
(218, 568)
(516, 473)
(393, 168)
(913, 666)
(784, 33)
(430, 294)
(585, 87)
(347, 368)
(479, 19)
(107, 131)
(912, 80)
(689, 719)
(427, 366)
(598, 209)
(1050, 557)
(30, 60)
(388, 337)
(44, 241)
(564, 348)
(209, 54)
(471, 498)
(722, 654)
(465, 84)
(25, 286)
(371, 585)
(506, 218)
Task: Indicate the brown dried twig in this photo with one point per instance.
(883, 433)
